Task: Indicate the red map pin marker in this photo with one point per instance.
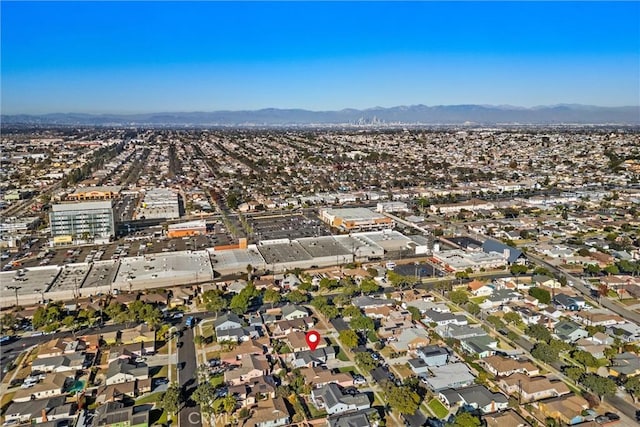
(313, 339)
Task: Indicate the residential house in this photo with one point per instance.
(353, 419)
(122, 371)
(282, 328)
(567, 409)
(528, 316)
(126, 351)
(500, 297)
(252, 366)
(310, 358)
(318, 377)
(268, 413)
(419, 367)
(459, 332)
(331, 398)
(504, 366)
(253, 390)
(481, 346)
(227, 321)
(378, 312)
(627, 332)
(546, 281)
(298, 342)
(508, 418)
(394, 323)
(60, 346)
(116, 392)
(365, 301)
(627, 364)
(442, 319)
(477, 396)
(512, 255)
(238, 334)
(531, 389)
(452, 375)
(293, 311)
(569, 331)
(480, 289)
(424, 306)
(597, 318)
(65, 363)
(141, 333)
(567, 302)
(433, 355)
(53, 384)
(411, 338)
(253, 346)
(115, 414)
(32, 410)
(290, 281)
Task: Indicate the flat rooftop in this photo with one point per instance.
(360, 246)
(353, 214)
(236, 260)
(174, 268)
(389, 240)
(102, 274)
(71, 277)
(319, 247)
(275, 253)
(82, 206)
(34, 281)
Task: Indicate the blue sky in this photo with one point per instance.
(204, 56)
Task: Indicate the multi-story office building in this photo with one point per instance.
(82, 222)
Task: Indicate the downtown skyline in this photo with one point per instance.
(152, 57)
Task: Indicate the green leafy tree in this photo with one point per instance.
(297, 297)
(330, 311)
(603, 387)
(512, 318)
(545, 353)
(369, 286)
(69, 321)
(539, 332)
(542, 295)
(612, 269)
(415, 313)
(585, 358)
(574, 373)
(402, 399)
(365, 361)
(204, 395)
(349, 338)
(465, 419)
(458, 297)
(240, 303)
(271, 296)
(351, 311)
(362, 323)
(632, 386)
(341, 300)
(214, 300)
(172, 399)
(495, 321)
(518, 269)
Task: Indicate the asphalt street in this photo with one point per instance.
(188, 379)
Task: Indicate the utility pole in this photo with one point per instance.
(14, 288)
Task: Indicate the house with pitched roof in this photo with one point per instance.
(331, 398)
(568, 408)
(477, 396)
(500, 366)
(531, 389)
(268, 413)
(122, 371)
(53, 384)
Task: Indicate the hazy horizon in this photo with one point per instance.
(154, 57)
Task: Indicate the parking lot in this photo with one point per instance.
(291, 226)
(422, 270)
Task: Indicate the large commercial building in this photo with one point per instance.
(82, 222)
(95, 193)
(356, 219)
(187, 229)
(160, 203)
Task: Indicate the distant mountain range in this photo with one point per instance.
(406, 115)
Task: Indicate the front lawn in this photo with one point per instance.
(150, 398)
(438, 408)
